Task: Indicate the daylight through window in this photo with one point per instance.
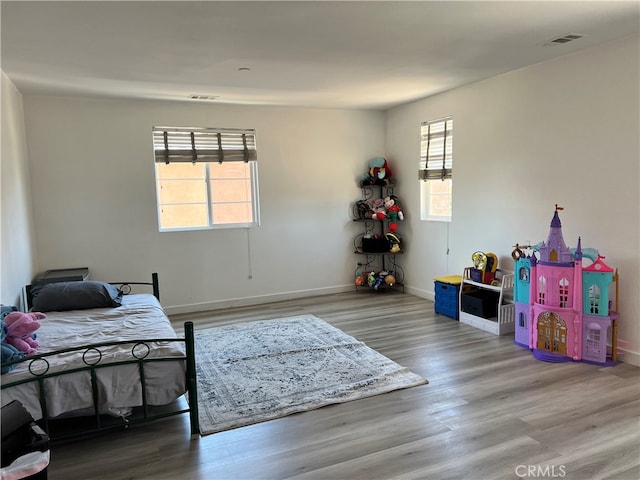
(205, 178)
(436, 169)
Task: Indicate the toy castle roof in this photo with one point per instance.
(555, 250)
(598, 266)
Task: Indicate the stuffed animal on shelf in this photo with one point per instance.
(395, 240)
(20, 330)
(375, 279)
(364, 209)
(393, 209)
(9, 352)
(379, 212)
(379, 279)
(379, 173)
(362, 279)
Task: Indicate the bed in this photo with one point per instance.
(108, 358)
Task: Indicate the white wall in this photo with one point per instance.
(564, 131)
(95, 202)
(18, 258)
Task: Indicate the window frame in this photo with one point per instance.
(429, 173)
(208, 178)
(427, 196)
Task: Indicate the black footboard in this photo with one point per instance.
(58, 429)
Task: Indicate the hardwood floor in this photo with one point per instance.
(490, 411)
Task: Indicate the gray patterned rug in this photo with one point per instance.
(257, 371)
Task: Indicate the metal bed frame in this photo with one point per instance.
(60, 429)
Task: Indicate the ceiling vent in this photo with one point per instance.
(204, 97)
(569, 37)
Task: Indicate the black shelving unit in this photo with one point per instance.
(373, 247)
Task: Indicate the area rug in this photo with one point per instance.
(257, 371)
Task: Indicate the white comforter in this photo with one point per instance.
(140, 316)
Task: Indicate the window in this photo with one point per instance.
(594, 300)
(523, 320)
(564, 293)
(205, 178)
(593, 339)
(436, 170)
(542, 289)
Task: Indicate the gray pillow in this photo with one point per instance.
(74, 296)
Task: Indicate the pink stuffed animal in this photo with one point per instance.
(20, 328)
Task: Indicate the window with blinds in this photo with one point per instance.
(203, 145)
(436, 169)
(205, 178)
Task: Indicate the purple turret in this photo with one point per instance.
(555, 250)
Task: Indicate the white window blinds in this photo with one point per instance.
(171, 144)
(436, 150)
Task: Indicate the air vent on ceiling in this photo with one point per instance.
(569, 37)
(204, 97)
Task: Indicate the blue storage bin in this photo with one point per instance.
(447, 297)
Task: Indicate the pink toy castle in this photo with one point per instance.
(563, 310)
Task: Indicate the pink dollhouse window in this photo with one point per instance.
(593, 339)
(563, 293)
(594, 299)
(542, 289)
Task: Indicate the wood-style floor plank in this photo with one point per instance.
(490, 411)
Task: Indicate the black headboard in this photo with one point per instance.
(126, 287)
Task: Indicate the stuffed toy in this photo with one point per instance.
(393, 209)
(379, 212)
(379, 279)
(20, 330)
(364, 209)
(6, 310)
(394, 241)
(376, 280)
(9, 352)
(379, 173)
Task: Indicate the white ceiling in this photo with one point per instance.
(311, 53)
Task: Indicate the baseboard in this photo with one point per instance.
(420, 293)
(279, 297)
(627, 356)
(257, 300)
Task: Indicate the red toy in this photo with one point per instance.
(394, 211)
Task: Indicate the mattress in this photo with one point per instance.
(140, 317)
